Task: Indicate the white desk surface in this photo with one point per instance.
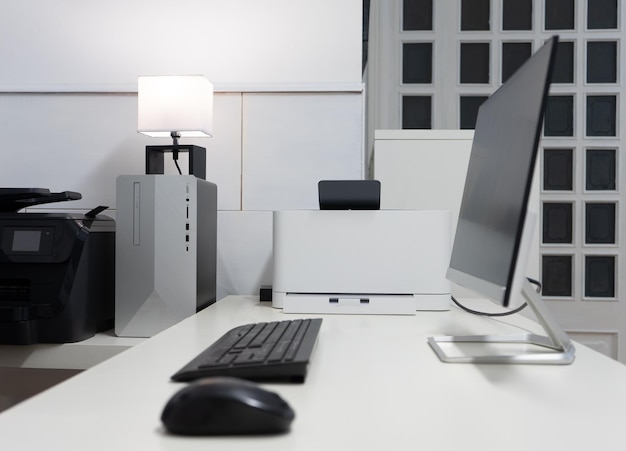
(75, 356)
(373, 384)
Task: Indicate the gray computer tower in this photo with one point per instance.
(165, 251)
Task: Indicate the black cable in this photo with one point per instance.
(178, 167)
(511, 312)
(175, 136)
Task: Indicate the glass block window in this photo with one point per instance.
(514, 54)
(416, 112)
(558, 222)
(475, 46)
(601, 62)
(600, 276)
(600, 227)
(475, 15)
(517, 15)
(558, 169)
(556, 275)
(559, 116)
(475, 64)
(469, 111)
(600, 170)
(564, 63)
(601, 115)
(559, 14)
(417, 62)
(601, 14)
(417, 14)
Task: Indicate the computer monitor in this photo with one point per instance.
(494, 229)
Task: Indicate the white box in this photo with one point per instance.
(361, 261)
(165, 251)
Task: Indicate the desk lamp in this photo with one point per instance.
(166, 226)
(176, 106)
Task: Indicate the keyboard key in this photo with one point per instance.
(250, 335)
(297, 339)
(263, 335)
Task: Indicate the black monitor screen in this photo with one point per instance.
(499, 177)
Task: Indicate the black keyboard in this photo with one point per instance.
(275, 351)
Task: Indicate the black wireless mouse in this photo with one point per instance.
(226, 406)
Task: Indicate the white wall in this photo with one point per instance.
(288, 106)
(103, 45)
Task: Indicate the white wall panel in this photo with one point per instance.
(292, 141)
(104, 45)
(422, 169)
(244, 251)
(82, 142)
(70, 142)
(223, 158)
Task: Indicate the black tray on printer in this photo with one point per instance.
(14, 199)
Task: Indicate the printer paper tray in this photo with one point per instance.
(358, 303)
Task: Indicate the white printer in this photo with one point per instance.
(361, 261)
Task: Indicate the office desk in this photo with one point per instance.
(374, 384)
(76, 356)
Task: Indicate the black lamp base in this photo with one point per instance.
(155, 158)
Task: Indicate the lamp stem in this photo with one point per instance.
(175, 136)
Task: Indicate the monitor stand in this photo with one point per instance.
(561, 350)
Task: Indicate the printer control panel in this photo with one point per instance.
(39, 239)
(27, 240)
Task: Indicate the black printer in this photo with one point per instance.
(57, 273)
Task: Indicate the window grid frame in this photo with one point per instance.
(447, 91)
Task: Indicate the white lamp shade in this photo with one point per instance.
(175, 103)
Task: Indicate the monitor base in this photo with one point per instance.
(557, 348)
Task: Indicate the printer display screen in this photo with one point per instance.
(26, 241)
